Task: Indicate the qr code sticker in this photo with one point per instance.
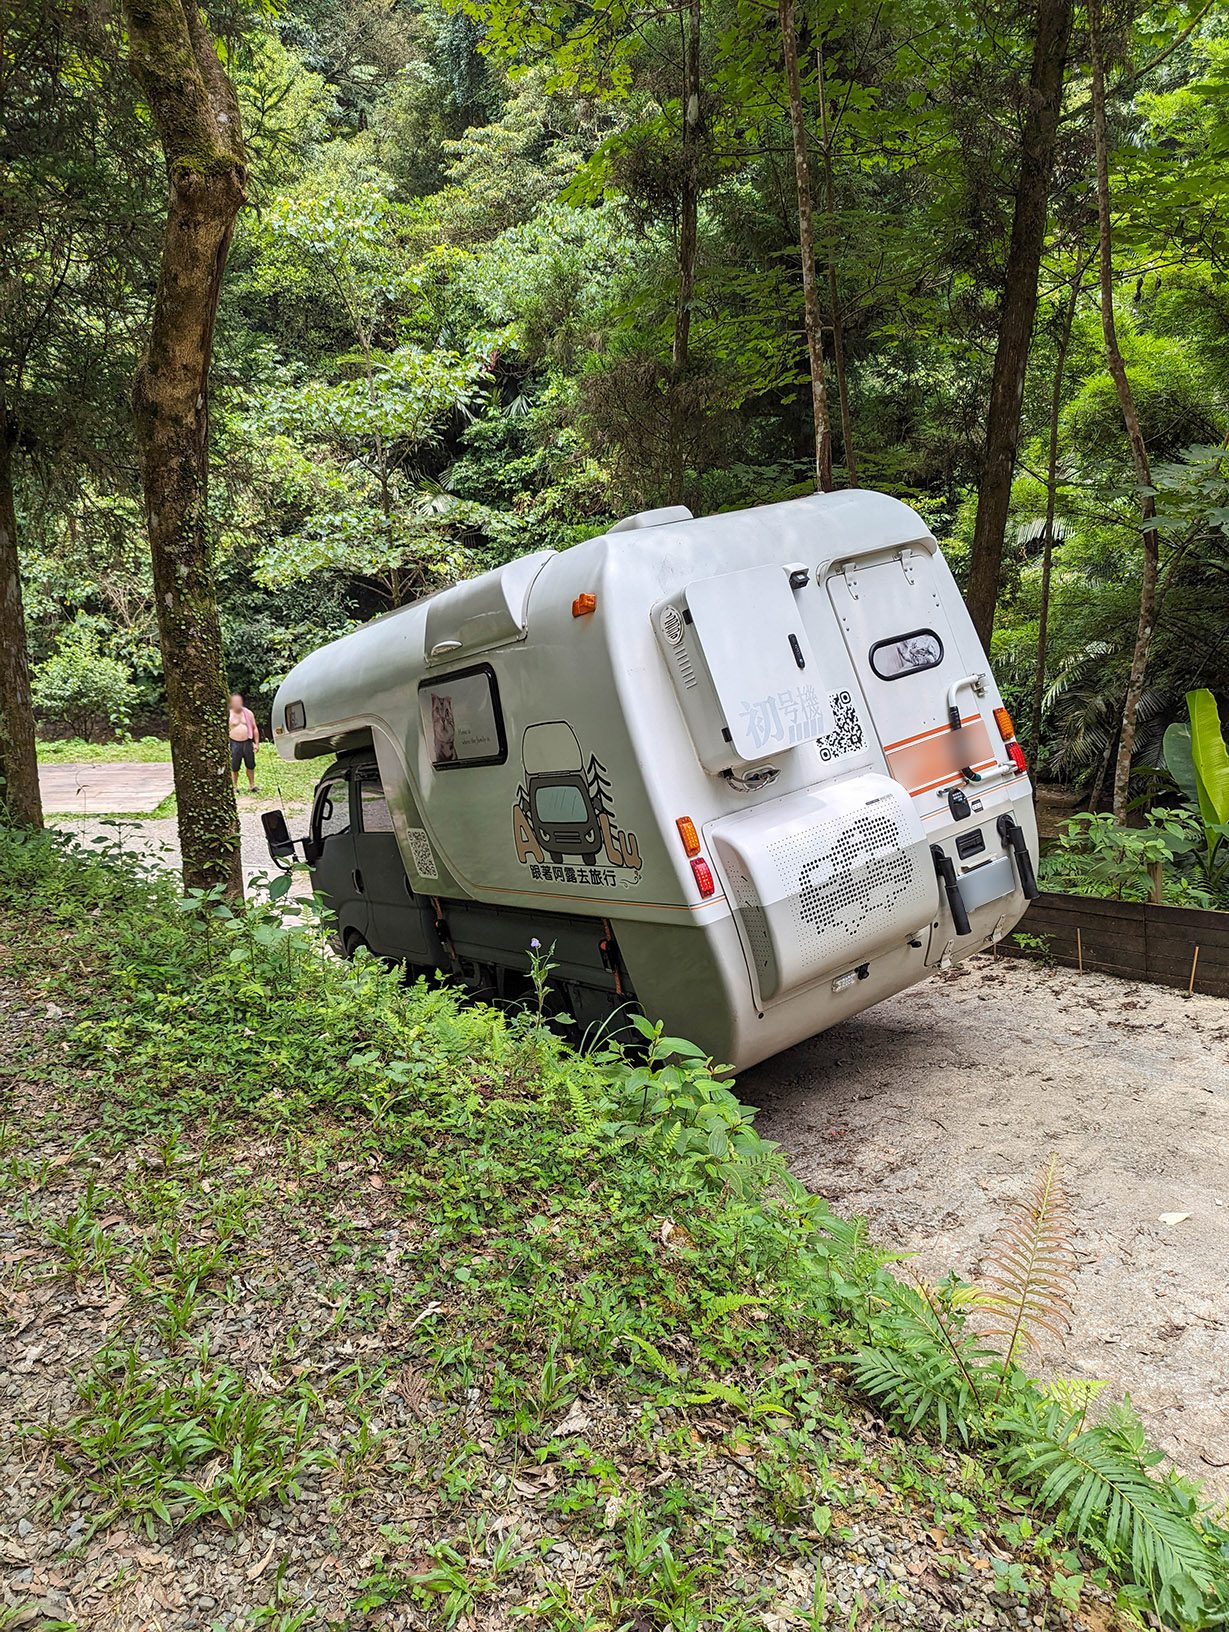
(846, 736)
(420, 849)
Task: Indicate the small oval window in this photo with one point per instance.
(906, 654)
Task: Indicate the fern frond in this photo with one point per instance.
(1026, 1287)
(1104, 1496)
(729, 1304)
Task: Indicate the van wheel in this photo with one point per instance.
(351, 941)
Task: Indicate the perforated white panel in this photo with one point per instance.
(754, 925)
(825, 880)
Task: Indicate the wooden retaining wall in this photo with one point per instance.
(1132, 939)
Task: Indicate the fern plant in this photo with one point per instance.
(1027, 1285)
(929, 1368)
(1098, 1481)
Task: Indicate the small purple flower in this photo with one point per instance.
(535, 945)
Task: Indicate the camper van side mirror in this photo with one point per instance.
(277, 836)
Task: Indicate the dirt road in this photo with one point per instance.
(932, 1112)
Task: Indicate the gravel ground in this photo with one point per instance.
(932, 1112)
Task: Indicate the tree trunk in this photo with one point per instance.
(1019, 308)
(1047, 549)
(689, 214)
(173, 59)
(806, 246)
(18, 757)
(834, 308)
(1130, 418)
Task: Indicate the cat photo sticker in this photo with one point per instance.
(461, 718)
(443, 730)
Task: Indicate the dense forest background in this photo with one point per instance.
(449, 330)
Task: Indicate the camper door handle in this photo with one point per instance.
(357, 876)
(977, 682)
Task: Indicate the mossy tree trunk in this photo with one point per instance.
(1019, 308)
(175, 63)
(18, 759)
(689, 218)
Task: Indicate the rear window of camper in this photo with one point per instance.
(462, 721)
(900, 655)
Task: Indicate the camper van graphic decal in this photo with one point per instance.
(565, 809)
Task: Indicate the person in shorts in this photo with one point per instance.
(244, 741)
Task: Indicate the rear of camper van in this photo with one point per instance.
(882, 821)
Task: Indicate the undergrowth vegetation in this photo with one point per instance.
(566, 1230)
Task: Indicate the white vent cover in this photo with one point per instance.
(827, 879)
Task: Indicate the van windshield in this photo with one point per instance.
(560, 803)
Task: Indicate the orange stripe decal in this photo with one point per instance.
(937, 759)
(934, 731)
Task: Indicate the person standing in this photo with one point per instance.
(244, 741)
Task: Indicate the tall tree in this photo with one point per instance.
(806, 246)
(1150, 572)
(688, 242)
(1066, 322)
(18, 760)
(835, 316)
(75, 247)
(175, 62)
(1018, 309)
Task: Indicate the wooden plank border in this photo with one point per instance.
(1133, 940)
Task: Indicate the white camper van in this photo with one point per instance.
(749, 773)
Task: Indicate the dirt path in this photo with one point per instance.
(157, 839)
(932, 1112)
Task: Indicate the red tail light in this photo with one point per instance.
(704, 877)
(1017, 757)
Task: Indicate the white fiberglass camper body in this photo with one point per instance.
(750, 772)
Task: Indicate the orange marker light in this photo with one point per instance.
(704, 877)
(1004, 722)
(688, 834)
(583, 605)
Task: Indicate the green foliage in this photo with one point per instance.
(571, 1224)
(170, 1442)
(1098, 1479)
(1095, 855)
(81, 687)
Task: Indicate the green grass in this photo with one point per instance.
(75, 751)
(294, 781)
(503, 1233)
